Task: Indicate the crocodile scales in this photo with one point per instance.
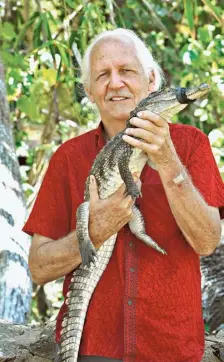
(114, 165)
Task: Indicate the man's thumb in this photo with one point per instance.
(93, 192)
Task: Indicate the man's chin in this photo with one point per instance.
(121, 116)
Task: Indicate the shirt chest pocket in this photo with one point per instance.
(152, 187)
(156, 210)
(154, 201)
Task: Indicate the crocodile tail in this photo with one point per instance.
(81, 288)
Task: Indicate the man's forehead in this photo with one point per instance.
(103, 53)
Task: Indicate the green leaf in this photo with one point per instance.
(14, 60)
(132, 4)
(25, 27)
(7, 31)
(45, 146)
(204, 35)
(47, 30)
(59, 71)
(215, 10)
(120, 17)
(189, 13)
(70, 3)
(25, 105)
(72, 38)
(46, 26)
(54, 20)
(64, 56)
(36, 33)
(49, 43)
(49, 76)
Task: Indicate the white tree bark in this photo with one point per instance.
(213, 289)
(36, 344)
(15, 281)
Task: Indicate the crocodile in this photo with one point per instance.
(114, 165)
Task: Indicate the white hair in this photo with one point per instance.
(144, 56)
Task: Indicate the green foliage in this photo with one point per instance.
(189, 13)
(7, 31)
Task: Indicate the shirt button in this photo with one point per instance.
(129, 302)
(132, 270)
(130, 244)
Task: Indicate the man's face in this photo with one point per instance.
(117, 79)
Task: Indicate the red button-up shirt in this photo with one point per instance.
(147, 306)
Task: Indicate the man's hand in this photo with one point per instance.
(154, 135)
(108, 216)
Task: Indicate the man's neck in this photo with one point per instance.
(110, 130)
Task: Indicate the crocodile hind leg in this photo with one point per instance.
(137, 227)
(86, 247)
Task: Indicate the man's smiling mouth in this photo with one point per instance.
(114, 99)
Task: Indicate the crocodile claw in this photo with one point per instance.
(88, 253)
(134, 191)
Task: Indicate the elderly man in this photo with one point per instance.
(146, 307)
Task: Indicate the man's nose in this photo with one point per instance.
(116, 80)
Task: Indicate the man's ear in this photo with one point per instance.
(88, 92)
(151, 87)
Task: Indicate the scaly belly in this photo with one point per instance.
(113, 180)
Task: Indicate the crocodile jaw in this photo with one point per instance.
(166, 104)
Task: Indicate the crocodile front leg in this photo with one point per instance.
(126, 175)
(86, 247)
(137, 227)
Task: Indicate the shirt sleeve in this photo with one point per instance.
(205, 173)
(51, 212)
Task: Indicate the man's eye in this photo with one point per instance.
(101, 75)
(128, 70)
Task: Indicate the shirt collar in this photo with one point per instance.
(99, 137)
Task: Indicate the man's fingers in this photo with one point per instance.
(127, 202)
(139, 184)
(93, 191)
(137, 180)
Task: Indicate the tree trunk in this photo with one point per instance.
(213, 288)
(15, 280)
